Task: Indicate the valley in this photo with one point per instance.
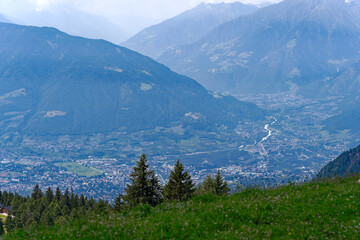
(297, 148)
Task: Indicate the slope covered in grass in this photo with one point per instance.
(324, 210)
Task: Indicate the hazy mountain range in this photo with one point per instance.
(52, 83)
(75, 22)
(4, 19)
(186, 28)
(282, 47)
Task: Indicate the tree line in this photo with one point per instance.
(145, 187)
(48, 208)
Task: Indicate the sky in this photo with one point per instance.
(99, 18)
(157, 9)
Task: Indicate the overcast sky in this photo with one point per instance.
(159, 9)
(112, 20)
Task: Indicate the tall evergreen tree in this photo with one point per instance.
(118, 203)
(216, 185)
(58, 195)
(65, 200)
(49, 195)
(74, 200)
(220, 185)
(46, 219)
(207, 186)
(37, 193)
(56, 211)
(2, 231)
(9, 223)
(145, 187)
(81, 201)
(180, 187)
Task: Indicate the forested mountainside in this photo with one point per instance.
(346, 164)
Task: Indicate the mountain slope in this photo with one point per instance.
(185, 28)
(278, 48)
(316, 210)
(4, 19)
(52, 83)
(347, 163)
(347, 85)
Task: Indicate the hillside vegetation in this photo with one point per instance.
(347, 163)
(317, 210)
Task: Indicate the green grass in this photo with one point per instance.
(326, 210)
(3, 218)
(79, 170)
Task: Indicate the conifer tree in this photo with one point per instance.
(81, 201)
(65, 200)
(2, 231)
(49, 195)
(208, 185)
(216, 185)
(56, 211)
(220, 185)
(9, 223)
(58, 195)
(37, 193)
(144, 187)
(100, 206)
(74, 201)
(180, 187)
(46, 219)
(118, 203)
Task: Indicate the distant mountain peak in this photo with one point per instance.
(185, 28)
(278, 48)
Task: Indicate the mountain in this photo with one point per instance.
(345, 84)
(186, 28)
(4, 19)
(76, 22)
(347, 163)
(282, 47)
(262, 4)
(52, 83)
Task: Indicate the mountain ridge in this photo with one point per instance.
(44, 72)
(185, 28)
(272, 49)
(346, 164)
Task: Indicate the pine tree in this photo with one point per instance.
(58, 195)
(207, 185)
(56, 211)
(2, 231)
(118, 203)
(81, 201)
(144, 187)
(220, 185)
(9, 223)
(65, 200)
(37, 193)
(180, 187)
(49, 195)
(74, 201)
(46, 219)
